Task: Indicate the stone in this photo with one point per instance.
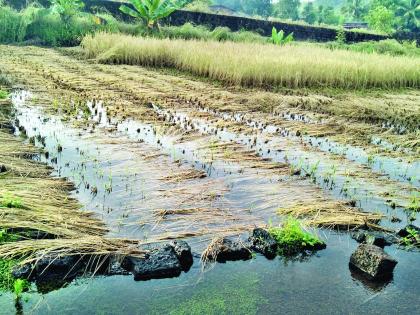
(404, 232)
(379, 239)
(372, 261)
(51, 268)
(262, 242)
(183, 252)
(228, 250)
(157, 264)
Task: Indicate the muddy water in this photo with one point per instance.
(128, 163)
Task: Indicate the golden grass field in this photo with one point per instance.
(292, 66)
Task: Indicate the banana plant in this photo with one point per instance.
(151, 11)
(279, 38)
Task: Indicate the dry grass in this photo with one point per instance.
(293, 66)
(33, 250)
(333, 215)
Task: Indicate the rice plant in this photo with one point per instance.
(293, 66)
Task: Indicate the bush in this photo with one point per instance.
(388, 47)
(12, 26)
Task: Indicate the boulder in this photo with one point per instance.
(183, 252)
(228, 250)
(158, 263)
(379, 239)
(372, 261)
(51, 268)
(261, 241)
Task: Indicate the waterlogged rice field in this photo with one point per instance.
(158, 156)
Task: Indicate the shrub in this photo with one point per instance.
(12, 25)
(292, 239)
(3, 95)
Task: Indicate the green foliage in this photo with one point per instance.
(257, 7)
(3, 95)
(381, 19)
(5, 236)
(199, 32)
(340, 38)
(409, 13)
(308, 13)
(287, 9)
(67, 8)
(151, 11)
(327, 15)
(412, 239)
(19, 286)
(387, 47)
(355, 9)
(12, 25)
(9, 201)
(292, 239)
(279, 38)
(6, 278)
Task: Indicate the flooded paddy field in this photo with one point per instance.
(156, 157)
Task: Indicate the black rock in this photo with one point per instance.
(262, 242)
(159, 263)
(22, 272)
(183, 252)
(372, 261)
(404, 232)
(228, 250)
(3, 168)
(375, 238)
(51, 268)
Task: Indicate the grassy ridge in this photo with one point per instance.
(294, 66)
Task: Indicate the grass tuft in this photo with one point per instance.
(293, 239)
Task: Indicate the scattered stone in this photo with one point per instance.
(228, 250)
(3, 168)
(262, 242)
(372, 261)
(183, 252)
(159, 263)
(379, 239)
(51, 268)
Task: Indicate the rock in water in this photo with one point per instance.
(51, 268)
(379, 239)
(183, 252)
(372, 261)
(159, 263)
(228, 250)
(263, 243)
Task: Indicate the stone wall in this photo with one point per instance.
(235, 23)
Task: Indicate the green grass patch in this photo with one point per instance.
(387, 47)
(3, 95)
(293, 239)
(10, 201)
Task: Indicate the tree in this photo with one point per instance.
(308, 13)
(151, 11)
(381, 19)
(409, 13)
(327, 15)
(67, 8)
(288, 9)
(355, 9)
(257, 7)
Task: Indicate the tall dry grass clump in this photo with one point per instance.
(294, 66)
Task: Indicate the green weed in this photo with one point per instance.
(292, 239)
(9, 201)
(3, 95)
